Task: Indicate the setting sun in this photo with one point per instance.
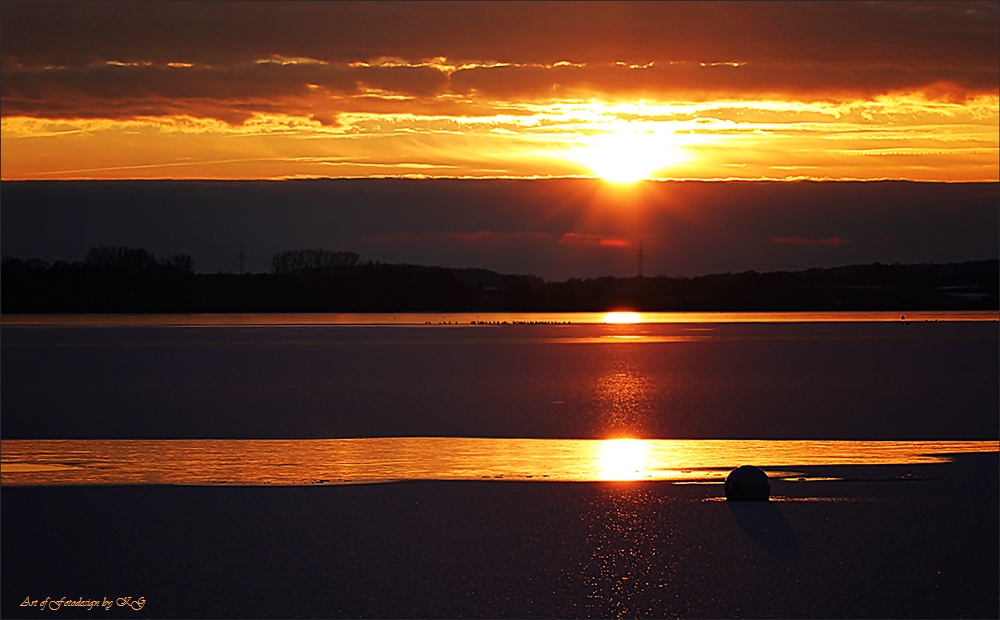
(628, 156)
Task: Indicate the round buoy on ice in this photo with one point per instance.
(747, 483)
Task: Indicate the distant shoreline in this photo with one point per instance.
(133, 281)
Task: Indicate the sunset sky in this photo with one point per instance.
(709, 90)
(755, 91)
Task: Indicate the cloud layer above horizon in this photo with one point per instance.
(554, 228)
(704, 90)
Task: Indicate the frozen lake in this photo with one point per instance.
(557, 466)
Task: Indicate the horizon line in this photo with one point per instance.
(422, 177)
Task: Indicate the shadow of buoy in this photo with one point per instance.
(747, 493)
(767, 527)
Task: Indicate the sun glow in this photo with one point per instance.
(623, 459)
(628, 155)
(619, 318)
(905, 137)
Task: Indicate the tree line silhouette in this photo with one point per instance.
(120, 279)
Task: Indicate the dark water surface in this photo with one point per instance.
(860, 381)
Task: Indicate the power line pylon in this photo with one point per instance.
(242, 256)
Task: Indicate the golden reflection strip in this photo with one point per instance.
(348, 461)
(243, 320)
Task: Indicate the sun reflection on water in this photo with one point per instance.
(623, 399)
(630, 560)
(622, 459)
(380, 459)
(622, 318)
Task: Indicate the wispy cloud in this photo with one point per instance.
(832, 241)
(477, 238)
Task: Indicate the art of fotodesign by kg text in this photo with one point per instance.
(53, 604)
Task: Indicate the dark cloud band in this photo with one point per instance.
(225, 60)
(234, 93)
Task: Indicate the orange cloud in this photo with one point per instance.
(582, 240)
